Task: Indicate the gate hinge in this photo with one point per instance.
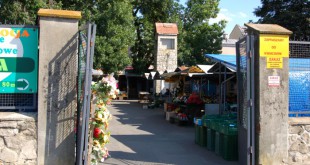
(84, 155)
(250, 150)
(249, 54)
(250, 103)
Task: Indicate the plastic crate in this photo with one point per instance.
(228, 128)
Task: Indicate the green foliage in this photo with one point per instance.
(20, 12)
(291, 14)
(115, 35)
(198, 36)
(125, 25)
(146, 14)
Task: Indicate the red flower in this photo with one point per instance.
(97, 132)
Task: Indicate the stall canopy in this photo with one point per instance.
(199, 70)
(205, 68)
(228, 61)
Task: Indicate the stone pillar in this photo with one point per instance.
(271, 92)
(57, 86)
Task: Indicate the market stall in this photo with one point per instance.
(193, 88)
(219, 132)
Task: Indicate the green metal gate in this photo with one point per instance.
(87, 36)
(246, 108)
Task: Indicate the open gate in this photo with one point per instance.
(246, 108)
(87, 36)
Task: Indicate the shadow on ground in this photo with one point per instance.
(143, 136)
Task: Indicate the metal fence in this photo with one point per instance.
(242, 82)
(299, 79)
(18, 102)
(85, 64)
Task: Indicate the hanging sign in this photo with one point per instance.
(18, 60)
(274, 48)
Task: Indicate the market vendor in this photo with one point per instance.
(167, 93)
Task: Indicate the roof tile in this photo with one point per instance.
(166, 28)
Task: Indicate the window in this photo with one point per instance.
(167, 43)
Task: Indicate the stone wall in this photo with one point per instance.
(166, 59)
(299, 141)
(18, 138)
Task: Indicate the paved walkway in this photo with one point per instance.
(143, 137)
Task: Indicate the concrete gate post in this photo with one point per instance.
(271, 92)
(57, 86)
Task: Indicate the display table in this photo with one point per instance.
(144, 97)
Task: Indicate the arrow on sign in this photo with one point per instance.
(22, 84)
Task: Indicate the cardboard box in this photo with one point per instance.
(170, 114)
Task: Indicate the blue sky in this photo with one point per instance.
(235, 12)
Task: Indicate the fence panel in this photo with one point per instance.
(299, 79)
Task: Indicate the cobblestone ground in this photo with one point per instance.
(143, 137)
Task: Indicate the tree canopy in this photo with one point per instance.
(198, 36)
(291, 14)
(146, 14)
(115, 35)
(126, 28)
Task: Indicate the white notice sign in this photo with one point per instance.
(273, 81)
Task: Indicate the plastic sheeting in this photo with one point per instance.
(299, 85)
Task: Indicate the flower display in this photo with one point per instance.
(194, 99)
(104, 91)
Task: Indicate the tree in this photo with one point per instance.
(291, 14)
(20, 12)
(115, 32)
(198, 36)
(115, 35)
(146, 14)
(125, 24)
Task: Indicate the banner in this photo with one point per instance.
(18, 60)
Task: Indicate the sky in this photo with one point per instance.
(235, 12)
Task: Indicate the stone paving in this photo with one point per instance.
(143, 137)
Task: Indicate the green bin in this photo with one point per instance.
(210, 139)
(197, 134)
(218, 143)
(203, 134)
(228, 140)
(230, 147)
